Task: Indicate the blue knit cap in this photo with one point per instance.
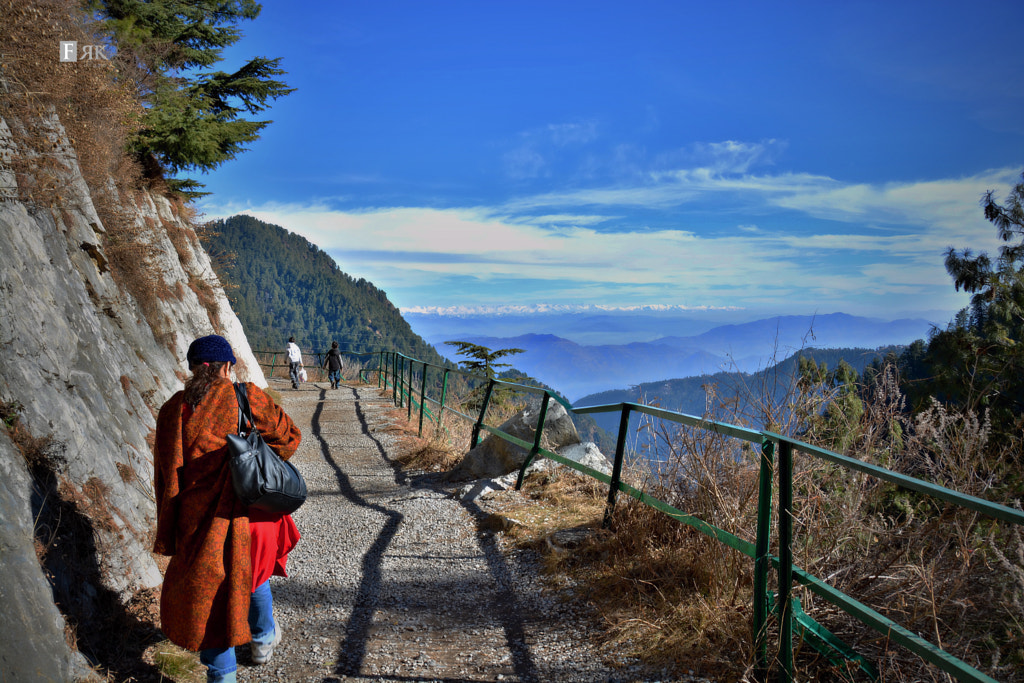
(210, 349)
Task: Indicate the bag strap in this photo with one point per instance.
(245, 422)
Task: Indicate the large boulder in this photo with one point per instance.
(495, 456)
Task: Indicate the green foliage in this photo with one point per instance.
(482, 359)
(177, 664)
(9, 411)
(832, 403)
(976, 363)
(690, 395)
(194, 117)
(282, 285)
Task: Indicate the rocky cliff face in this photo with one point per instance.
(85, 366)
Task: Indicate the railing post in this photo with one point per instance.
(273, 363)
(409, 384)
(399, 380)
(483, 412)
(620, 454)
(380, 369)
(762, 561)
(536, 440)
(786, 559)
(394, 377)
(444, 393)
(423, 396)
(401, 383)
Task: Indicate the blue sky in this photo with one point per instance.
(793, 157)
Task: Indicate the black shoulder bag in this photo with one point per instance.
(262, 479)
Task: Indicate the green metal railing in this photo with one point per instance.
(272, 361)
(396, 372)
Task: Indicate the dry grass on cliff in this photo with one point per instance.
(96, 102)
(97, 110)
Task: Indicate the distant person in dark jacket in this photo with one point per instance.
(334, 365)
(294, 362)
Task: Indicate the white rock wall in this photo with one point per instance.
(89, 371)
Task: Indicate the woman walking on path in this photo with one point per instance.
(216, 590)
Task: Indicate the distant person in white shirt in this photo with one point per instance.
(294, 362)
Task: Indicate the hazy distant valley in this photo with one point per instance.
(675, 346)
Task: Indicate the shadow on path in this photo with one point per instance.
(352, 650)
(509, 615)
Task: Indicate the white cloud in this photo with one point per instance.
(893, 247)
(414, 247)
(524, 162)
(546, 308)
(562, 134)
(562, 219)
(946, 207)
(949, 206)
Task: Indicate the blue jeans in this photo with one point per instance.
(335, 377)
(220, 661)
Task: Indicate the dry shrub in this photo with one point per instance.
(204, 285)
(176, 664)
(928, 565)
(204, 232)
(42, 454)
(433, 454)
(671, 595)
(97, 104)
(936, 569)
(566, 489)
(127, 474)
(97, 108)
(207, 296)
(181, 239)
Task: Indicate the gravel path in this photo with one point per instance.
(393, 580)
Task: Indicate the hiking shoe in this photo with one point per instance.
(262, 652)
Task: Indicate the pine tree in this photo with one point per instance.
(977, 362)
(482, 359)
(194, 116)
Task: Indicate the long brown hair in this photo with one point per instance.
(203, 376)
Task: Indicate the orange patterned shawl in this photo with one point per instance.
(200, 523)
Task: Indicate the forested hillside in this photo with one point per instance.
(282, 285)
(688, 394)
